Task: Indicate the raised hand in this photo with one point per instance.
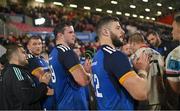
(142, 63)
(87, 65)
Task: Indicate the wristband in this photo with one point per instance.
(142, 73)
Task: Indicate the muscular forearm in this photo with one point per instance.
(142, 91)
(137, 87)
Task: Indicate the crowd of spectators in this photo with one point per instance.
(84, 21)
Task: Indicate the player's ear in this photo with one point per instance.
(28, 44)
(105, 31)
(59, 34)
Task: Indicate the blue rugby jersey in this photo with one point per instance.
(110, 68)
(68, 94)
(39, 63)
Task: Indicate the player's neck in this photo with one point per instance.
(106, 41)
(61, 42)
(14, 62)
(36, 55)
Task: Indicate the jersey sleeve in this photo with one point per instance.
(36, 66)
(118, 64)
(35, 63)
(69, 59)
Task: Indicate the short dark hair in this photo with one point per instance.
(177, 17)
(11, 49)
(60, 27)
(103, 21)
(34, 37)
(153, 33)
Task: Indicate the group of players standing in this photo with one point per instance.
(62, 82)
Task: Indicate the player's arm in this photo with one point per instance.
(80, 75)
(72, 64)
(36, 67)
(38, 72)
(135, 85)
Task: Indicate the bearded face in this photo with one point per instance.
(22, 57)
(116, 40)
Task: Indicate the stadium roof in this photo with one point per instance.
(151, 9)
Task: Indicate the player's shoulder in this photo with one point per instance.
(63, 48)
(12, 70)
(30, 56)
(108, 49)
(112, 52)
(175, 53)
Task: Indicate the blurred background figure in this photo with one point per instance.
(157, 43)
(38, 65)
(126, 49)
(154, 75)
(172, 67)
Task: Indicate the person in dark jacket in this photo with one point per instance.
(2, 64)
(156, 42)
(19, 89)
